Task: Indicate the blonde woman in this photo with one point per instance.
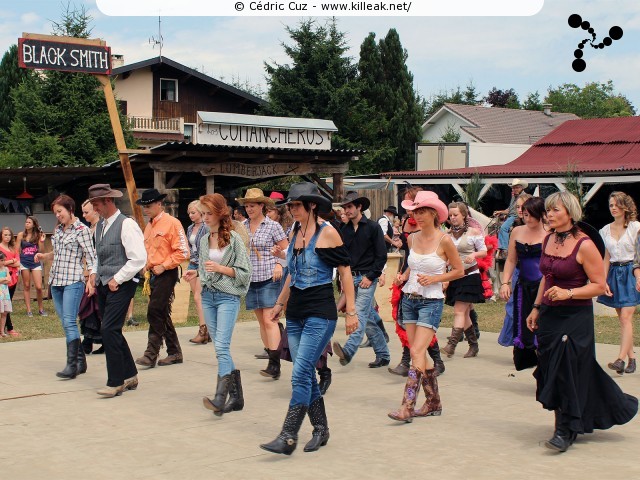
(195, 232)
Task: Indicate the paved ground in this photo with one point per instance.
(491, 426)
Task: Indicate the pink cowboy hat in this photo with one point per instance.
(430, 200)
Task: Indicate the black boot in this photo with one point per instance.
(82, 361)
(236, 398)
(273, 367)
(563, 437)
(325, 379)
(434, 353)
(403, 367)
(87, 345)
(318, 417)
(218, 402)
(287, 440)
(71, 369)
(474, 321)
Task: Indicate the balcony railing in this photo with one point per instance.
(161, 125)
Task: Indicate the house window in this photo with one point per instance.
(168, 90)
(189, 132)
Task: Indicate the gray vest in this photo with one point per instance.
(109, 249)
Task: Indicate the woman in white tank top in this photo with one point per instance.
(430, 252)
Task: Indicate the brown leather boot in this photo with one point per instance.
(411, 390)
(473, 343)
(432, 406)
(202, 337)
(456, 336)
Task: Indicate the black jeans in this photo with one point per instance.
(113, 308)
(159, 315)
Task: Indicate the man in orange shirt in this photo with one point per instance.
(167, 247)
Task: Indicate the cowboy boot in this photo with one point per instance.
(219, 401)
(82, 361)
(71, 369)
(318, 417)
(432, 405)
(474, 321)
(236, 398)
(287, 440)
(403, 367)
(273, 367)
(563, 437)
(456, 336)
(202, 337)
(411, 389)
(631, 368)
(473, 343)
(325, 379)
(434, 353)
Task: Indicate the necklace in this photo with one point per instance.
(560, 237)
(458, 230)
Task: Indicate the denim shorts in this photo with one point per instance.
(262, 294)
(423, 311)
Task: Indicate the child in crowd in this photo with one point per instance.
(5, 298)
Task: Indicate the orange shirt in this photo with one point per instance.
(165, 242)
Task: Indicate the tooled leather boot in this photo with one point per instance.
(432, 406)
(236, 397)
(318, 417)
(411, 389)
(473, 343)
(456, 336)
(202, 337)
(287, 440)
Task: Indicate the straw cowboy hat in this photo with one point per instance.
(103, 190)
(151, 196)
(308, 192)
(352, 197)
(519, 183)
(430, 200)
(255, 195)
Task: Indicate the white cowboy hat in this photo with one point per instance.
(519, 183)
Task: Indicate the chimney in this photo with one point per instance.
(546, 109)
(117, 61)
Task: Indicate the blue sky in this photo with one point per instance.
(524, 53)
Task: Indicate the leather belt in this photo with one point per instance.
(467, 271)
(415, 296)
(621, 264)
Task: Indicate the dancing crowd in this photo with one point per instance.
(285, 256)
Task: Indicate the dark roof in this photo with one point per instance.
(606, 146)
(504, 125)
(178, 66)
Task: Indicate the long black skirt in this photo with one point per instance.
(568, 376)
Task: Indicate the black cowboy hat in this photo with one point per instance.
(307, 192)
(391, 209)
(150, 196)
(352, 197)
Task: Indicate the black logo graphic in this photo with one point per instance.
(575, 21)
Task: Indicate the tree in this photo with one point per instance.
(594, 100)
(61, 118)
(451, 134)
(532, 102)
(11, 75)
(467, 97)
(502, 98)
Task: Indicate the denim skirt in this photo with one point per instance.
(623, 286)
(262, 294)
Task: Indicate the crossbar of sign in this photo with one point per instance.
(66, 57)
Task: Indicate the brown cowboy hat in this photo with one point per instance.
(255, 195)
(103, 190)
(353, 197)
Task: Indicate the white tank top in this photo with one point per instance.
(425, 264)
(216, 254)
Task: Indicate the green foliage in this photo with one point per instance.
(532, 102)
(472, 191)
(11, 75)
(451, 134)
(467, 97)
(573, 183)
(594, 100)
(74, 22)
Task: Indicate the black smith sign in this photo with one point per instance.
(67, 57)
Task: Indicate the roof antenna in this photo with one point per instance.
(153, 41)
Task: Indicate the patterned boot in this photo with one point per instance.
(432, 405)
(411, 389)
(318, 417)
(287, 440)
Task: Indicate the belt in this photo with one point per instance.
(415, 296)
(621, 264)
(467, 271)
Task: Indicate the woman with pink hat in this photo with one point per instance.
(430, 251)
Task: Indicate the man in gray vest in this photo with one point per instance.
(120, 256)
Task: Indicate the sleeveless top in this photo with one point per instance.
(563, 272)
(425, 264)
(529, 261)
(28, 251)
(306, 268)
(466, 245)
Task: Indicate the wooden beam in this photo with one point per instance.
(210, 182)
(135, 151)
(560, 186)
(175, 179)
(592, 191)
(322, 183)
(338, 187)
(485, 188)
(121, 145)
(160, 180)
(458, 189)
(61, 39)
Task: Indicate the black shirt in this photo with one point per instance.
(366, 247)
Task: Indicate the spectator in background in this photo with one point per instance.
(240, 213)
(517, 187)
(12, 262)
(386, 224)
(195, 232)
(30, 242)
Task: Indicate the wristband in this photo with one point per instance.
(536, 306)
(281, 304)
(352, 314)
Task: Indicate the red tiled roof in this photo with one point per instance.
(605, 145)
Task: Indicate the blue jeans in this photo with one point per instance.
(66, 300)
(220, 314)
(307, 340)
(503, 233)
(367, 321)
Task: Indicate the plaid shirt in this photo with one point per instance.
(70, 247)
(266, 236)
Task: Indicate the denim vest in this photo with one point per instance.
(307, 269)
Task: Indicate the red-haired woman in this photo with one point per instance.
(225, 271)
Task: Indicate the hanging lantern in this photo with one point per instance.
(24, 195)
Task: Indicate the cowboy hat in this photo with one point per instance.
(391, 209)
(427, 199)
(150, 196)
(276, 196)
(255, 195)
(308, 192)
(352, 197)
(519, 183)
(103, 190)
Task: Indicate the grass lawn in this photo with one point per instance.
(490, 316)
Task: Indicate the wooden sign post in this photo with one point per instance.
(82, 55)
